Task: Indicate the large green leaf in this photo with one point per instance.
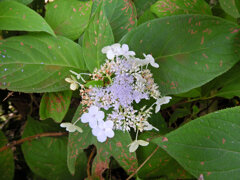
(121, 15)
(38, 63)
(55, 105)
(190, 49)
(97, 35)
(47, 156)
(208, 145)
(143, 5)
(160, 164)
(164, 8)
(68, 18)
(231, 7)
(6, 160)
(16, 16)
(116, 147)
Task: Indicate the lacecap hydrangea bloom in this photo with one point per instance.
(122, 81)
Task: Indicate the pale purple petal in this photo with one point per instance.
(101, 136)
(100, 116)
(109, 133)
(125, 47)
(93, 109)
(93, 123)
(109, 124)
(85, 118)
(110, 55)
(101, 124)
(95, 131)
(106, 49)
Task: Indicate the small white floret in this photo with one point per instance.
(135, 144)
(71, 127)
(161, 101)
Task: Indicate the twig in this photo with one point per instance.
(135, 172)
(89, 162)
(9, 94)
(14, 143)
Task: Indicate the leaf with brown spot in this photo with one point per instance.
(29, 65)
(18, 17)
(160, 164)
(208, 145)
(180, 54)
(55, 105)
(68, 18)
(164, 8)
(121, 14)
(80, 141)
(97, 35)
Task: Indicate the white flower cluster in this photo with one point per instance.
(122, 81)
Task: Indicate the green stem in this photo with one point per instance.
(200, 99)
(109, 78)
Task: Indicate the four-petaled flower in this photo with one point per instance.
(135, 144)
(150, 60)
(160, 101)
(103, 130)
(112, 51)
(93, 116)
(71, 127)
(73, 83)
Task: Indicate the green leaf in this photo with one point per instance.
(97, 35)
(21, 1)
(55, 105)
(18, 17)
(190, 49)
(68, 18)
(98, 83)
(143, 5)
(208, 145)
(160, 164)
(121, 15)
(47, 156)
(6, 160)
(178, 113)
(164, 8)
(226, 85)
(116, 147)
(231, 7)
(38, 63)
(147, 16)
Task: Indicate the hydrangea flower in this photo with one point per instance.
(135, 144)
(125, 81)
(103, 130)
(73, 83)
(93, 116)
(71, 127)
(161, 101)
(112, 51)
(150, 60)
